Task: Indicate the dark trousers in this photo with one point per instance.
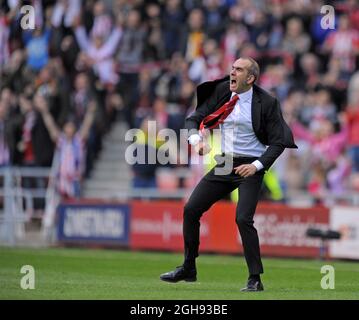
(214, 187)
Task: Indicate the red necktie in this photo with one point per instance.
(217, 117)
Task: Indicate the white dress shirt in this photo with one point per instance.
(238, 137)
(237, 132)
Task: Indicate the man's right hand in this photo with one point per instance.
(202, 148)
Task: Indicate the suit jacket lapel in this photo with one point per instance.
(205, 89)
(256, 110)
(225, 98)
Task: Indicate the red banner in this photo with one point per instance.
(281, 229)
(158, 225)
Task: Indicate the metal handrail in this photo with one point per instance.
(13, 193)
(302, 198)
(36, 172)
(52, 201)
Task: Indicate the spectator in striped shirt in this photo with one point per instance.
(71, 147)
(97, 51)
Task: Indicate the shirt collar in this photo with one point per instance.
(245, 96)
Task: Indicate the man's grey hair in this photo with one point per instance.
(253, 69)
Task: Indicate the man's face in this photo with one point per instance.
(239, 77)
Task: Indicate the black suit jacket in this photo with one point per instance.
(267, 120)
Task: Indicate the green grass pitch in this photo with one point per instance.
(114, 274)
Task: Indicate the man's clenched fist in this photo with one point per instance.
(202, 148)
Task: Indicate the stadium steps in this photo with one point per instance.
(95, 184)
(111, 176)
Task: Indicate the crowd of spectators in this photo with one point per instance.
(142, 60)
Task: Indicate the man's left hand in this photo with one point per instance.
(245, 170)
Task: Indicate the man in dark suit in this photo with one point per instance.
(254, 134)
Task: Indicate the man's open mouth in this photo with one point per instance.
(233, 81)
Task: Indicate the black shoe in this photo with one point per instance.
(180, 274)
(253, 286)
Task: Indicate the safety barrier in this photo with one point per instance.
(18, 200)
